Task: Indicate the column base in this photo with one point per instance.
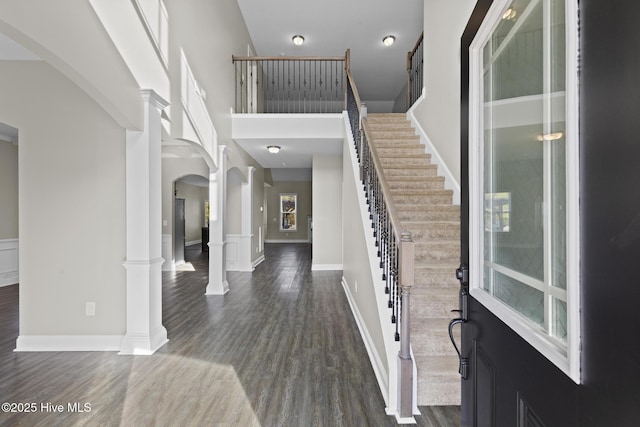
(217, 288)
(143, 344)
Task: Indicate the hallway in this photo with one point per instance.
(280, 349)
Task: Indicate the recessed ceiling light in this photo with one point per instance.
(273, 149)
(298, 40)
(388, 40)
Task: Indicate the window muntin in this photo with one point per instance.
(524, 145)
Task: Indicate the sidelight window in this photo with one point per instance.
(524, 173)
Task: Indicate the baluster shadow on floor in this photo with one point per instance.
(280, 349)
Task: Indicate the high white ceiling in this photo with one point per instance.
(330, 27)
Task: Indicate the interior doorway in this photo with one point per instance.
(179, 230)
(9, 239)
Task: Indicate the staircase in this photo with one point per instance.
(425, 208)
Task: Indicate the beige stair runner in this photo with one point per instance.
(425, 208)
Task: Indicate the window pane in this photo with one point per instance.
(522, 298)
(559, 326)
(515, 166)
(288, 212)
(524, 162)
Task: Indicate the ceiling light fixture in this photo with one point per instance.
(388, 40)
(298, 40)
(509, 14)
(550, 136)
(273, 149)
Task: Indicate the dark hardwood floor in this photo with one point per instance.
(280, 349)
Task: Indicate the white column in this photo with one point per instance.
(145, 332)
(247, 222)
(218, 284)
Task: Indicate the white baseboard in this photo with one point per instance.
(378, 366)
(256, 262)
(322, 267)
(68, 343)
(193, 242)
(287, 241)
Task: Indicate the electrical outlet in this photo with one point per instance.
(90, 308)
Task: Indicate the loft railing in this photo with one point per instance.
(289, 84)
(395, 247)
(415, 71)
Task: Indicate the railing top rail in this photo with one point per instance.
(415, 48)
(354, 89)
(287, 58)
(391, 208)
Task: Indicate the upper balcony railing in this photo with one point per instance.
(415, 72)
(290, 84)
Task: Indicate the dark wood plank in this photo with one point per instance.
(280, 349)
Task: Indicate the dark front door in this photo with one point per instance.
(550, 213)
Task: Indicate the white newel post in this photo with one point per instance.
(218, 284)
(145, 332)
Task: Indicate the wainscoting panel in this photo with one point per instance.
(9, 262)
(239, 252)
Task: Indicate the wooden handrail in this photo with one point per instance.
(410, 55)
(354, 89)
(286, 58)
(415, 48)
(388, 201)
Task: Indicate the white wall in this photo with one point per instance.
(327, 213)
(209, 33)
(358, 267)
(71, 204)
(8, 190)
(77, 46)
(439, 112)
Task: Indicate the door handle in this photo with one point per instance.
(463, 362)
(462, 274)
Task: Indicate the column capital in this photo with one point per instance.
(152, 97)
(223, 150)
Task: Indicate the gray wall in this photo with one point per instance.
(303, 190)
(327, 211)
(8, 190)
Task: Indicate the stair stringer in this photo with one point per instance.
(384, 360)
